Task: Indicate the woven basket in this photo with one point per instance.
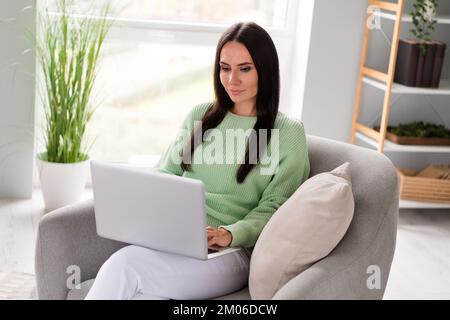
(422, 189)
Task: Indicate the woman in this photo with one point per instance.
(241, 195)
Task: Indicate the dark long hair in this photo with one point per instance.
(265, 57)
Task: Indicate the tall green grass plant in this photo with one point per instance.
(68, 49)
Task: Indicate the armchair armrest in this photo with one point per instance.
(359, 266)
(347, 273)
(68, 237)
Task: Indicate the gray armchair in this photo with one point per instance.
(67, 236)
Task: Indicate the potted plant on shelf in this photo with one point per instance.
(420, 60)
(67, 48)
(419, 133)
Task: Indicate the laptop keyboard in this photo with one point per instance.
(212, 250)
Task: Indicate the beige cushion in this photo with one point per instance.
(305, 229)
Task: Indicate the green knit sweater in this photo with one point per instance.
(245, 208)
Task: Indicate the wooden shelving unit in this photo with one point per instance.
(406, 204)
(393, 147)
(385, 83)
(444, 88)
(441, 19)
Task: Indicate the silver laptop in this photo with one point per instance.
(152, 209)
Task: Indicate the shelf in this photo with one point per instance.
(393, 147)
(440, 18)
(379, 80)
(444, 88)
(407, 204)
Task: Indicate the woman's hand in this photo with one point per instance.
(220, 237)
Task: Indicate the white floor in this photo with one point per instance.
(420, 270)
(19, 220)
(421, 265)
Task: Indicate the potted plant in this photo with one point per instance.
(418, 133)
(67, 48)
(420, 60)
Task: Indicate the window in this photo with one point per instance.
(271, 13)
(157, 64)
(146, 89)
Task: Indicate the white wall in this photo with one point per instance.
(17, 92)
(299, 61)
(332, 67)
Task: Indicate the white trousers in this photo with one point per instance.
(135, 272)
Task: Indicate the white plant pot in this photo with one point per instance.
(62, 183)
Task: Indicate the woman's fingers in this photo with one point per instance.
(219, 241)
(220, 237)
(215, 241)
(211, 233)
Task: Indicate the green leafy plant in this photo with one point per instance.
(420, 129)
(423, 22)
(68, 49)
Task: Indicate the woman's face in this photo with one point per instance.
(238, 74)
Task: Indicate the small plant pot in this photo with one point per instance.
(414, 68)
(61, 183)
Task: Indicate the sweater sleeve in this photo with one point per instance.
(171, 159)
(293, 170)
